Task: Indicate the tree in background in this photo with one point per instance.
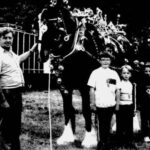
(25, 12)
(22, 13)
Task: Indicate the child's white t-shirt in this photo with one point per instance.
(105, 82)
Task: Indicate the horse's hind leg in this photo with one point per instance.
(90, 138)
(69, 114)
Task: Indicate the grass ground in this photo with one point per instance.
(35, 122)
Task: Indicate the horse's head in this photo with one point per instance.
(56, 28)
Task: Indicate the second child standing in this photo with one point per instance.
(124, 116)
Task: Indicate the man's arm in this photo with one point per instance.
(26, 55)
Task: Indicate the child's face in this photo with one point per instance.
(147, 71)
(105, 62)
(126, 74)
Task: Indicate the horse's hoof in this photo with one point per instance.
(90, 139)
(64, 141)
(67, 136)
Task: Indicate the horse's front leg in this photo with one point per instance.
(69, 112)
(69, 115)
(90, 137)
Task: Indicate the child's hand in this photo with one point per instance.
(134, 113)
(117, 107)
(93, 107)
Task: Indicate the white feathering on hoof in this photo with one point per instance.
(67, 136)
(90, 139)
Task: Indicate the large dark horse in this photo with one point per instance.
(73, 44)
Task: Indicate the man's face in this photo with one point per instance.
(105, 62)
(6, 40)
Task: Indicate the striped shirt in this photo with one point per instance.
(126, 95)
(11, 75)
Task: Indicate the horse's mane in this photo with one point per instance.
(65, 24)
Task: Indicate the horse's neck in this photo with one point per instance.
(69, 23)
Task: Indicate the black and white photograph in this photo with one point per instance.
(74, 75)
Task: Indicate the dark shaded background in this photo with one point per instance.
(136, 14)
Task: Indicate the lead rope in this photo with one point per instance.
(135, 105)
(49, 105)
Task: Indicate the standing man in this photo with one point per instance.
(11, 84)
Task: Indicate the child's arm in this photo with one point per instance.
(117, 99)
(134, 97)
(92, 98)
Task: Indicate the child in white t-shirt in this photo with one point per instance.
(104, 95)
(124, 116)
